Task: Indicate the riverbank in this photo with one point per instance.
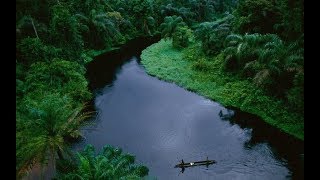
(207, 77)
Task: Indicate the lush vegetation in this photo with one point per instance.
(244, 58)
(246, 53)
(207, 76)
(110, 163)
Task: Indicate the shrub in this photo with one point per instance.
(58, 75)
(32, 50)
(181, 37)
(201, 65)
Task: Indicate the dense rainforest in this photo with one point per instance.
(251, 58)
(256, 42)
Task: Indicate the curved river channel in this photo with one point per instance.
(162, 123)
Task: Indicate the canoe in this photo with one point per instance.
(197, 163)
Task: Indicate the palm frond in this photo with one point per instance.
(230, 50)
(252, 39)
(81, 17)
(84, 168)
(233, 39)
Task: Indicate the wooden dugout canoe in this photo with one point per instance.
(197, 163)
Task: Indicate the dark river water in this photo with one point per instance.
(162, 123)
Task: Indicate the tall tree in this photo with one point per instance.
(141, 10)
(43, 130)
(256, 16)
(168, 27)
(212, 34)
(65, 30)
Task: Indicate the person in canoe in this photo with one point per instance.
(182, 167)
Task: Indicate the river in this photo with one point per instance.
(162, 123)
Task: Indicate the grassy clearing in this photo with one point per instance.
(206, 76)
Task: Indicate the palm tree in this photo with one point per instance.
(42, 134)
(181, 37)
(99, 29)
(170, 10)
(168, 27)
(270, 61)
(242, 49)
(111, 163)
(212, 34)
(283, 61)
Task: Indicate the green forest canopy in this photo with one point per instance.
(261, 40)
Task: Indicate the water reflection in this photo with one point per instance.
(287, 150)
(162, 123)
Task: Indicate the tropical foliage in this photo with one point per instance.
(110, 163)
(182, 37)
(43, 127)
(241, 45)
(174, 27)
(169, 26)
(271, 63)
(212, 34)
(192, 69)
(58, 76)
(258, 46)
(256, 16)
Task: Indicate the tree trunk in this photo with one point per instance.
(60, 154)
(145, 27)
(34, 28)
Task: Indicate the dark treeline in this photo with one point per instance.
(262, 41)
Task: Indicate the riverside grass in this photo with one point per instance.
(206, 76)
